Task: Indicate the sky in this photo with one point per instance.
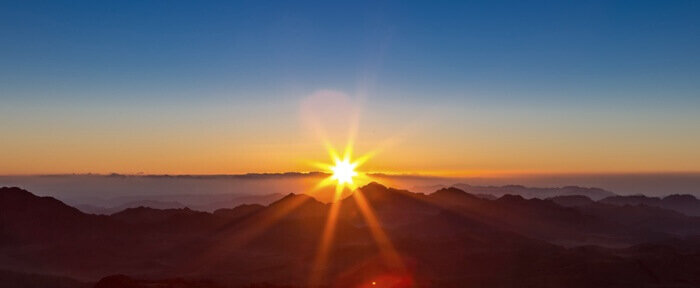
(444, 88)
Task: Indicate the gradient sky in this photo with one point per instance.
(440, 87)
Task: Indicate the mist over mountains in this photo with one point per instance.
(447, 238)
(107, 193)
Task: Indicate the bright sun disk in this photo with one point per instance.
(344, 171)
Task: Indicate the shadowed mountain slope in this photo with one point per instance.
(571, 200)
(27, 280)
(448, 238)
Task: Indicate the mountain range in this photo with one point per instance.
(686, 204)
(447, 238)
(207, 203)
(536, 192)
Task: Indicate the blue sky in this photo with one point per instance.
(622, 62)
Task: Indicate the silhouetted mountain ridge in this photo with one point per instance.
(448, 238)
(535, 192)
(571, 200)
(686, 204)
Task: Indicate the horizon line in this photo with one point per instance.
(472, 174)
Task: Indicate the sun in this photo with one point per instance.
(344, 171)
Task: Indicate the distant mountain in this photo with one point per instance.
(239, 212)
(533, 192)
(427, 188)
(686, 204)
(207, 203)
(91, 209)
(449, 238)
(236, 200)
(571, 200)
(632, 200)
(541, 219)
(662, 222)
(147, 215)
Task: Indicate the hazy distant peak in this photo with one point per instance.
(239, 211)
(146, 208)
(151, 215)
(292, 197)
(451, 192)
(686, 204)
(536, 192)
(454, 196)
(427, 188)
(630, 199)
(680, 197)
(378, 192)
(373, 186)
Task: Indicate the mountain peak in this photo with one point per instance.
(20, 200)
(291, 197)
(450, 190)
(451, 193)
(293, 201)
(15, 192)
(373, 186)
(453, 196)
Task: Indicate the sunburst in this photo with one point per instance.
(343, 172)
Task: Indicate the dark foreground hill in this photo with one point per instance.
(389, 237)
(27, 280)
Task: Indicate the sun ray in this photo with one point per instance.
(347, 153)
(326, 239)
(216, 253)
(342, 170)
(343, 173)
(321, 165)
(389, 253)
(331, 151)
(362, 159)
(322, 184)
